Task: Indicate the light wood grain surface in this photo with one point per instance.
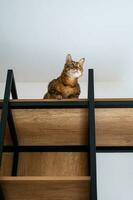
(47, 164)
(40, 188)
(77, 100)
(51, 126)
(53, 164)
(6, 166)
(114, 126)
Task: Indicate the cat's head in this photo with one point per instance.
(72, 68)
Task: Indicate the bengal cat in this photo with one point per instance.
(66, 86)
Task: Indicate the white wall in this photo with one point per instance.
(102, 90)
(114, 171)
(36, 35)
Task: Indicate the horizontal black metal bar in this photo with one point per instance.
(68, 148)
(68, 104)
(115, 149)
(65, 148)
(114, 104)
(49, 104)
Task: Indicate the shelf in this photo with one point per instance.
(68, 126)
(76, 100)
(45, 178)
(39, 188)
(43, 157)
(47, 164)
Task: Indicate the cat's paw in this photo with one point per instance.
(59, 97)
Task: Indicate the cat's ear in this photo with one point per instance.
(68, 58)
(81, 61)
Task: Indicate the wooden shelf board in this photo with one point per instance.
(77, 100)
(114, 126)
(45, 178)
(47, 164)
(39, 188)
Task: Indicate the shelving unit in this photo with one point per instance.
(48, 147)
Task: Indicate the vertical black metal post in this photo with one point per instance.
(1, 193)
(4, 114)
(91, 133)
(13, 129)
(13, 133)
(13, 88)
(7, 116)
(4, 117)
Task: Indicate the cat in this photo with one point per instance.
(66, 86)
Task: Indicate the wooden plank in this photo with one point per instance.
(51, 126)
(39, 188)
(114, 126)
(45, 178)
(53, 164)
(6, 166)
(47, 164)
(77, 100)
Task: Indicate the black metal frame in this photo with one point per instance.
(91, 133)
(6, 116)
(68, 104)
(91, 148)
(67, 148)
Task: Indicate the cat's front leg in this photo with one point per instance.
(59, 97)
(76, 96)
